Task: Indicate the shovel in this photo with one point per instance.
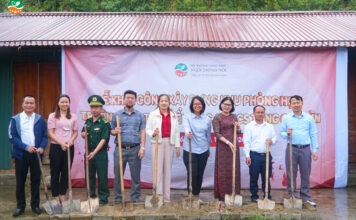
(92, 204)
(233, 200)
(124, 205)
(190, 202)
(154, 201)
(51, 206)
(70, 205)
(292, 203)
(266, 204)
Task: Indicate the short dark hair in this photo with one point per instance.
(297, 97)
(28, 96)
(130, 92)
(232, 103)
(254, 108)
(201, 100)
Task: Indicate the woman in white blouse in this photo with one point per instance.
(163, 122)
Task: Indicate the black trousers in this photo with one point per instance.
(198, 168)
(59, 169)
(29, 160)
(257, 167)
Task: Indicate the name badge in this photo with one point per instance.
(96, 129)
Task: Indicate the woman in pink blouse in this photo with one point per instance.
(63, 130)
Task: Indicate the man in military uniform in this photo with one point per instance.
(98, 139)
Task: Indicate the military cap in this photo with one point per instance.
(96, 100)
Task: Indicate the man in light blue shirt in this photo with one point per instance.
(302, 127)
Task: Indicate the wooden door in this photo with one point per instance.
(40, 79)
(25, 83)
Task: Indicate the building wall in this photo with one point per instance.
(6, 94)
(35, 71)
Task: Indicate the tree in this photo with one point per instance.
(183, 5)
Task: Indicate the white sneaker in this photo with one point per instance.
(200, 201)
(311, 203)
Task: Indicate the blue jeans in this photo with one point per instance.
(257, 167)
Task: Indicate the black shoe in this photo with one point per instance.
(254, 200)
(37, 210)
(18, 212)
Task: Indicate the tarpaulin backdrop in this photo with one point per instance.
(267, 77)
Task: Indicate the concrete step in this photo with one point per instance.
(351, 175)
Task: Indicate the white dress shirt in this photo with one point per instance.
(255, 135)
(27, 134)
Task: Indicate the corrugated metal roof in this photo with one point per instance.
(180, 29)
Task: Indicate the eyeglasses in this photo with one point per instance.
(228, 105)
(197, 104)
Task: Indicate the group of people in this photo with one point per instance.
(28, 134)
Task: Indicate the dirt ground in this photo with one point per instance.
(332, 204)
(206, 209)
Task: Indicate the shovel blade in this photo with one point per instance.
(293, 203)
(47, 208)
(89, 206)
(265, 204)
(190, 202)
(52, 207)
(153, 202)
(71, 206)
(231, 201)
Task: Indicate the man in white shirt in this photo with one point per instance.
(256, 134)
(28, 135)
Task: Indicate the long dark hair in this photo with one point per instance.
(58, 110)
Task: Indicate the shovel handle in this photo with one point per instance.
(234, 162)
(69, 175)
(190, 168)
(291, 165)
(155, 166)
(120, 161)
(43, 179)
(267, 169)
(87, 161)
(69, 169)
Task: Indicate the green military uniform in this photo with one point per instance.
(98, 130)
